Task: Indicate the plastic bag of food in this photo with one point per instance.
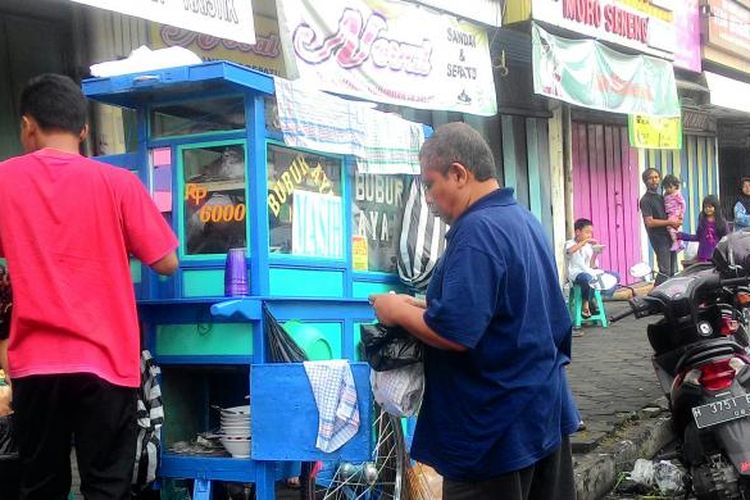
(389, 347)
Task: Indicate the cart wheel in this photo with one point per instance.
(379, 479)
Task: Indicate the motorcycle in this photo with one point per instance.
(701, 358)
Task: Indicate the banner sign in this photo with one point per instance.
(483, 11)
(264, 55)
(727, 27)
(642, 25)
(650, 132)
(589, 74)
(230, 19)
(687, 22)
(389, 51)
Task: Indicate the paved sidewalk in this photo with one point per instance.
(611, 374)
(620, 402)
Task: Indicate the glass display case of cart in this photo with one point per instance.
(213, 211)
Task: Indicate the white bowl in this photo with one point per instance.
(238, 435)
(236, 410)
(235, 415)
(235, 418)
(237, 423)
(238, 447)
(235, 429)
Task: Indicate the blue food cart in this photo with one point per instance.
(318, 239)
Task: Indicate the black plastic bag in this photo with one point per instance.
(7, 443)
(281, 347)
(10, 467)
(389, 347)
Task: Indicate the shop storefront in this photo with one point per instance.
(599, 87)
(23, 54)
(727, 79)
(690, 149)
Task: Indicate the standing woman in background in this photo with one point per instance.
(742, 207)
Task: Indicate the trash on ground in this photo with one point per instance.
(648, 475)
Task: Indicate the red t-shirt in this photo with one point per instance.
(67, 225)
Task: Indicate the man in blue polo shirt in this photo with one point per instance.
(497, 409)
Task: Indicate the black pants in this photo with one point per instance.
(551, 478)
(51, 411)
(666, 260)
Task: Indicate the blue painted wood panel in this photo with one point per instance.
(285, 418)
(306, 283)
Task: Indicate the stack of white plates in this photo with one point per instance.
(235, 430)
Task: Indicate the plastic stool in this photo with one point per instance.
(575, 304)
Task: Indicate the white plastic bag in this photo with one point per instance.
(669, 478)
(399, 392)
(664, 475)
(643, 472)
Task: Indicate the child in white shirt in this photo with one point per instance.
(582, 267)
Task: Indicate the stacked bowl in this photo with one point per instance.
(235, 430)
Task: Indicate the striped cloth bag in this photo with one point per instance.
(150, 416)
(422, 240)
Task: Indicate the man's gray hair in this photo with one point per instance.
(457, 142)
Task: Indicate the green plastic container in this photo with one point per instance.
(310, 340)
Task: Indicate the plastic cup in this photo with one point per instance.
(235, 273)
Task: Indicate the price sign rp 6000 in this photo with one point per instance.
(226, 212)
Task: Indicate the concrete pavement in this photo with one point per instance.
(620, 402)
(611, 374)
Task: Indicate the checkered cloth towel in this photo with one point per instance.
(335, 395)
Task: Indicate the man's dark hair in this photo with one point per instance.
(670, 181)
(55, 102)
(581, 223)
(457, 142)
(647, 172)
(743, 180)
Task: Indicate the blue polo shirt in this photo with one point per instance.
(505, 403)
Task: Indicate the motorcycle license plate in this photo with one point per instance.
(722, 411)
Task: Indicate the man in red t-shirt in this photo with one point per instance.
(67, 227)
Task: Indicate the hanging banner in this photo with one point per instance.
(726, 34)
(230, 19)
(264, 55)
(650, 132)
(589, 74)
(644, 25)
(389, 51)
(687, 22)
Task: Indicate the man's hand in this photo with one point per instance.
(675, 222)
(407, 312)
(388, 306)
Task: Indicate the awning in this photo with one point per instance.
(728, 92)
